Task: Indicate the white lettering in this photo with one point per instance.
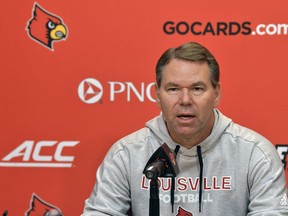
(282, 29)
(26, 147)
(36, 154)
(25, 150)
(130, 87)
(183, 198)
(272, 29)
(282, 151)
(113, 91)
(58, 153)
(148, 92)
(118, 88)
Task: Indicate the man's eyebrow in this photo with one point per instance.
(199, 83)
(172, 84)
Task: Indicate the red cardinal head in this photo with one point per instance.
(45, 27)
(183, 212)
(39, 208)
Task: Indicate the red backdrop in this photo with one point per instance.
(56, 126)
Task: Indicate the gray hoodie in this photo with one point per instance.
(242, 174)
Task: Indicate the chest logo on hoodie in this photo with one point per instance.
(46, 28)
(183, 212)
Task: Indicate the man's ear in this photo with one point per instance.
(218, 95)
(157, 93)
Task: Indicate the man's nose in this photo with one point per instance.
(185, 97)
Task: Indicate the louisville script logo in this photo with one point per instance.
(45, 28)
(38, 208)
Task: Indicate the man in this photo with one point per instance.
(225, 169)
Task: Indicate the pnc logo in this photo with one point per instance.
(91, 91)
(40, 154)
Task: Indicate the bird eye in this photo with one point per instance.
(51, 25)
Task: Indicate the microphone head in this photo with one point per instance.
(155, 169)
(162, 155)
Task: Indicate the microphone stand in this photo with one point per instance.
(154, 209)
(161, 164)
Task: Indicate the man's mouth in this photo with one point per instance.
(185, 116)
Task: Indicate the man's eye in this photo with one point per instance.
(172, 89)
(198, 88)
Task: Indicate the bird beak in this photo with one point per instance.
(58, 32)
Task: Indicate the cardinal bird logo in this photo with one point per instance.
(40, 208)
(45, 27)
(183, 212)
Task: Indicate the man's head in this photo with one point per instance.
(193, 52)
(187, 91)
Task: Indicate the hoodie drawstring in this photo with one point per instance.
(199, 153)
(173, 180)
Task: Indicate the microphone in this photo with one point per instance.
(161, 164)
(155, 169)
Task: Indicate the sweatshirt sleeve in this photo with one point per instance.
(266, 179)
(111, 193)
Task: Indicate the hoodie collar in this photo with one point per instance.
(158, 127)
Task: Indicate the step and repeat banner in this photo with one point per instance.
(76, 76)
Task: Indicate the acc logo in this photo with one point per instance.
(90, 90)
(283, 151)
(30, 154)
(45, 28)
(39, 207)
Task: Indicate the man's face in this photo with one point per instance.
(187, 99)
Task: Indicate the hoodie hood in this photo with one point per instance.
(158, 127)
